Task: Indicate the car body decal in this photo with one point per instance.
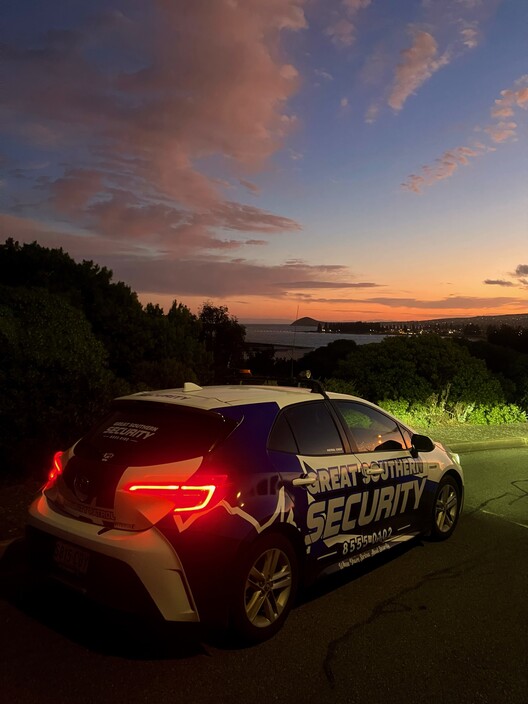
(280, 514)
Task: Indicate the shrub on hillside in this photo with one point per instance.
(498, 415)
(53, 373)
(435, 413)
(416, 368)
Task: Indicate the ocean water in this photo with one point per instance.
(301, 337)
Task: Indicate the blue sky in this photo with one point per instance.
(347, 159)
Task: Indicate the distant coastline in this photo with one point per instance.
(294, 342)
(514, 319)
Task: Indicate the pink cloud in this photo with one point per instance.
(469, 36)
(321, 73)
(371, 113)
(502, 131)
(353, 6)
(72, 192)
(213, 82)
(215, 277)
(505, 107)
(444, 167)
(417, 65)
(498, 132)
(341, 32)
(452, 24)
(251, 187)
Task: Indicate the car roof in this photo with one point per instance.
(209, 397)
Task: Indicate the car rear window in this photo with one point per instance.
(143, 433)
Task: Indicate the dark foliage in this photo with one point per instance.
(223, 337)
(414, 368)
(513, 338)
(323, 361)
(54, 376)
(505, 359)
(71, 339)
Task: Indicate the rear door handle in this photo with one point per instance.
(376, 470)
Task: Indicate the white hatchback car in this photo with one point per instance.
(214, 504)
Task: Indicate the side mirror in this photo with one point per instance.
(422, 443)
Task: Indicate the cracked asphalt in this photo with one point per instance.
(425, 622)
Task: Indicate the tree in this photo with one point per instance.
(145, 347)
(223, 337)
(172, 352)
(323, 361)
(414, 368)
(112, 309)
(507, 364)
(53, 373)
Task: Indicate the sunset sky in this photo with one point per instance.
(339, 159)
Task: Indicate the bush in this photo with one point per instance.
(418, 368)
(340, 386)
(497, 415)
(54, 377)
(436, 411)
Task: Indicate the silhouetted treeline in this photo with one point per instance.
(71, 339)
(414, 367)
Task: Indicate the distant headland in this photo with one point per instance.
(307, 322)
(471, 327)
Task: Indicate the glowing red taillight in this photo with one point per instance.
(56, 469)
(185, 497)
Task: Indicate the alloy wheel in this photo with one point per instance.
(446, 508)
(268, 587)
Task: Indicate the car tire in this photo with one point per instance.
(265, 588)
(446, 509)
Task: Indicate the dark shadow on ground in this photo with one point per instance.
(335, 581)
(111, 632)
(89, 624)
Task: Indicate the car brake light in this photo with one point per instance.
(56, 469)
(185, 497)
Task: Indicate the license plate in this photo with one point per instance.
(71, 558)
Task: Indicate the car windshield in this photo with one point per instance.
(143, 433)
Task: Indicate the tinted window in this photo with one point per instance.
(372, 431)
(314, 429)
(142, 433)
(281, 437)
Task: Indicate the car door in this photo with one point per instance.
(392, 478)
(312, 453)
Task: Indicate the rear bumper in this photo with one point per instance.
(138, 571)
